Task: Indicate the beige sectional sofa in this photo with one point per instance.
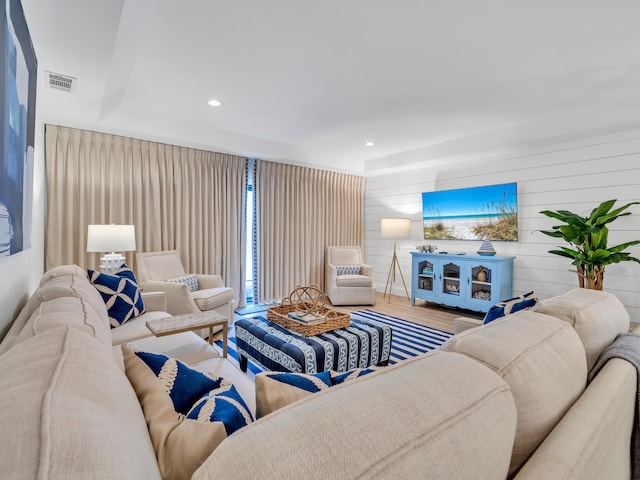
(509, 399)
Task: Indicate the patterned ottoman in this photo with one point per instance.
(275, 348)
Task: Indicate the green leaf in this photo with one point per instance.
(562, 215)
(564, 254)
(622, 246)
(599, 256)
(611, 216)
(601, 210)
(552, 234)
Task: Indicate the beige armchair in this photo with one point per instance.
(163, 271)
(348, 280)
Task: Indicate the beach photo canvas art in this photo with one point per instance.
(474, 213)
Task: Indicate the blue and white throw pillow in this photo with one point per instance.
(348, 269)
(184, 385)
(512, 305)
(337, 378)
(120, 294)
(188, 412)
(224, 405)
(274, 390)
(190, 281)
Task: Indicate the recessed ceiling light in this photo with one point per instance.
(369, 144)
(214, 103)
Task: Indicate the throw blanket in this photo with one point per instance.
(627, 347)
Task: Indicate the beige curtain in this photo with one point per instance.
(177, 198)
(300, 211)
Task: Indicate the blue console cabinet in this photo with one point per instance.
(470, 281)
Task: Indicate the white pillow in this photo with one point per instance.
(190, 281)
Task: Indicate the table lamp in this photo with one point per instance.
(111, 238)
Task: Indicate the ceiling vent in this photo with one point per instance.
(61, 82)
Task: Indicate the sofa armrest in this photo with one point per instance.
(155, 301)
(367, 270)
(593, 439)
(461, 324)
(330, 276)
(209, 281)
(179, 300)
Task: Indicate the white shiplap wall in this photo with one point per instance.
(576, 177)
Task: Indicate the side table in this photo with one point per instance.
(189, 322)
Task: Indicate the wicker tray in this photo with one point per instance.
(311, 300)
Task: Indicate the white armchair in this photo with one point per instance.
(163, 271)
(348, 280)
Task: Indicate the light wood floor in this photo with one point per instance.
(435, 316)
(430, 315)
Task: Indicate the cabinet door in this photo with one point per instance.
(452, 287)
(426, 272)
(481, 281)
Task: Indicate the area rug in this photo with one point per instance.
(408, 340)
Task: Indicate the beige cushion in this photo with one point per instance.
(353, 281)
(461, 324)
(186, 347)
(159, 265)
(275, 390)
(62, 271)
(456, 422)
(272, 394)
(351, 255)
(74, 286)
(68, 411)
(542, 360)
(212, 297)
(66, 311)
(181, 443)
(598, 317)
(64, 281)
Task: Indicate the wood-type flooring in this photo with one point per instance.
(434, 316)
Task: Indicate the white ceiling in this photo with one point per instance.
(310, 81)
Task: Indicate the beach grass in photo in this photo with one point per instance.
(472, 213)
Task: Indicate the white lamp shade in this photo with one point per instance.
(395, 227)
(111, 238)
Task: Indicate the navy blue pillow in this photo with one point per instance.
(224, 405)
(120, 294)
(511, 305)
(188, 385)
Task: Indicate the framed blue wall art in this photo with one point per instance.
(18, 69)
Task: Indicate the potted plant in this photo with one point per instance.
(589, 237)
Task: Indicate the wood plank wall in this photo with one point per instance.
(574, 176)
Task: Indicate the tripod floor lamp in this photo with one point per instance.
(395, 228)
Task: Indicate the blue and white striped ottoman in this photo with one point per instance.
(275, 348)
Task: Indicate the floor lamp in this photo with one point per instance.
(395, 228)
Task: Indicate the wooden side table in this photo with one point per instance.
(190, 322)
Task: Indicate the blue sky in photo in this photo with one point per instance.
(468, 201)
